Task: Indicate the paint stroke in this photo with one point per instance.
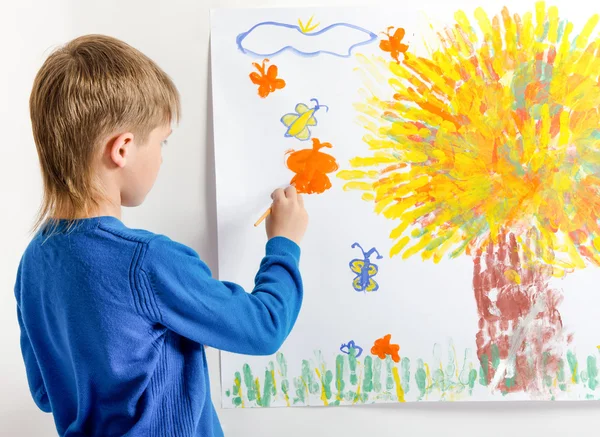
(382, 348)
(266, 78)
(347, 347)
(311, 167)
(271, 38)
(365, 270)
(309, 26)
(393, 44)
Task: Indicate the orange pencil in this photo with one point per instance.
(262, 217)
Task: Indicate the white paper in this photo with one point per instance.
(429, 308)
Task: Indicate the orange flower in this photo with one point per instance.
(267, 81)
(394, 43)
(311, 167)
(382, 348)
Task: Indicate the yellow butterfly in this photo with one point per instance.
(298, 122)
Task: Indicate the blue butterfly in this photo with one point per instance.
(345, 348)
(365, 270)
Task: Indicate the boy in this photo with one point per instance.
(113, 320)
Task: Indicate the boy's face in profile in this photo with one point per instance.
(141, 169)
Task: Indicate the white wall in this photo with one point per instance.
(176, 33)
(29, 28)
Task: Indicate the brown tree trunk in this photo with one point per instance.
(519, 322)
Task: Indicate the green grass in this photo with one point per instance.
(368, 379)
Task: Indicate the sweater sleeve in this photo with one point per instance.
(222, 314)
(32, 368)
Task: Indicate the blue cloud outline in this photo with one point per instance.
(240, 39)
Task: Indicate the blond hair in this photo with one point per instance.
(91, 88)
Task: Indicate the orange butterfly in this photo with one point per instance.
(311, 167)
(267, 81)
(382, 348)
(394, 43)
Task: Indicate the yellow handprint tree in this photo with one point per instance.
(490, 147)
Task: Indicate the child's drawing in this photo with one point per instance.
(365, 270)
(470, 153)
(270, 38)
(311, 167)
(299, 121)
(500, 161)
(266, 79)
(383, 348)
(351, 347)
(393, 44)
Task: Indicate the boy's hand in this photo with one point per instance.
(288, 217)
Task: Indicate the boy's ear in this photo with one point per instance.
(120, 149)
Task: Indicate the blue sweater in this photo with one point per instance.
(114, 322)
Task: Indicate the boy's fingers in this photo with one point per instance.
(290, 192)
(278, 194)
(300, 198)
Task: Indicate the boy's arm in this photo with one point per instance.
(183, 296)
(32, 368)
